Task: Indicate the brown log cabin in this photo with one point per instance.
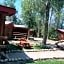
(8, 29)
(4, 11)
(60, 34)
(17, 31)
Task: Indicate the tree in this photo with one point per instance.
(27, 13)
(46, 23)
(41, 9)
(57, 6)
(9, 3)
(56, 12)
(31, 9)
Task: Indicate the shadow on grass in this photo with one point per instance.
(11, 47)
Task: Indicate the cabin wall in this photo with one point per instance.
(61, 36)
(9, 30)
(20, 32)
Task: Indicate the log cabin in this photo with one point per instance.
(9, 29)
(17, 31)
(4, 11)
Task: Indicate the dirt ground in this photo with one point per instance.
(35, 42)
(40, 41)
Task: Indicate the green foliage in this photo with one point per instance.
(33, 12)
(57, 7)
(36, 11)
(27, 13)
(9, 3)
(53, 34)
(39, 47)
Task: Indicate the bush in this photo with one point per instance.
(53, 34)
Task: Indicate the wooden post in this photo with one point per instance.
(2, 27)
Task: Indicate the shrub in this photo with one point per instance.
(53, 34)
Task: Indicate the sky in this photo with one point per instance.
(17, 6)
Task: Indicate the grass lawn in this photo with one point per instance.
(39, 47)
(54, 61)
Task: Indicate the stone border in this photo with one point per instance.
(35, 50)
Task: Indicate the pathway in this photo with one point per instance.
(43, 54)
(18, 56)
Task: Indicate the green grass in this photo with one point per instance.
(39, 47)
(47, 62)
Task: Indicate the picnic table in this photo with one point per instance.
(24, 43)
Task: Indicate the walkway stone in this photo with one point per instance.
(45, 54)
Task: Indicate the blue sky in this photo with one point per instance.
(17, 5)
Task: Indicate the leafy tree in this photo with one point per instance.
(27, 13)
(40, 10)
(57, 6)
(9, 3)
(32, 12)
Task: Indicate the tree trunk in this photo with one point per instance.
(46, 24)
(58, 20)
(38, 33)
(39, 27)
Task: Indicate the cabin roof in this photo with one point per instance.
(8, 22)
(20, 26)
(7, 10)
(15, 25)
(61, 30)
